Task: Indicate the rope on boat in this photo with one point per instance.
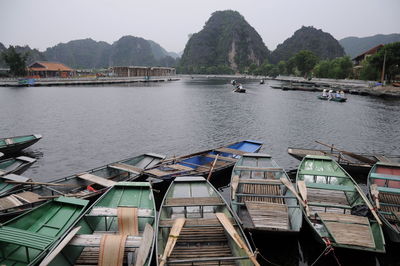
(326, 251)
(256, 253)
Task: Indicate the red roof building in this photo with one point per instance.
(44, 69)
(359, 58)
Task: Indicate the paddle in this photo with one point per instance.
(228, 226)
(289, 185)
(60, 246)
(212, 167)
(368, 204)
(356, 156)
(303, 193)
(173, 236)
(375, 194)
(234, 185)
(145, 245)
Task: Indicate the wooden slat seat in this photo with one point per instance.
(331, 187)
(250, 192)
(268, 215)
(90, 256)
(231, 151)
(25, 238)
(230, 159)
(180, 167)
(263, 169)
(97, 180)
(9, 202)
(348, 229)
(94, 240)
(260, 181)
(193, 201)
(206, 222)
(112, 212)
(385, 176)
(126, 167)
(28, 197)
(322, 173)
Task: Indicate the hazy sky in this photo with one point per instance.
(45, 23)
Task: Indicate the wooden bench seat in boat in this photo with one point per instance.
(126, 167)
(252, 168)
(25, 238)
(97, 179)
(320, 173)
(93, 240)
(207, 222)
(268, 215)
(169, 169)
(230, 159)
(348, 229)
(193, 201)
(384, 176)
(18, 199)
(331, 187)
(112, 212)
(231, 151)
(322, 200)
(249, 191)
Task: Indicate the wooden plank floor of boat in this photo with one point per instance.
(330, 197)
(268, 215)
(201, 242)
(349, 229)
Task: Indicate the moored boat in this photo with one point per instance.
(11, 182)
(196, 227)
(384, 190)
(26, 239)
(337, 209)
(85, 185)
(205, 162)
(12, 145)
(359, 163)
(260, 199)
(118, 227)
(16, 165)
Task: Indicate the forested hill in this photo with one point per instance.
(354, 46)
(226, 41)
(322, 44)
(33, 54)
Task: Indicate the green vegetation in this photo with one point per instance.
(15, 61)
(338, 68)
(392, 61)
(354, 46)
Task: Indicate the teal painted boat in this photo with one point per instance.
(195, 226)
(26, 239)
(16, 165)
(11, 182)
(12, 145)
(259, 198)
(87, 185)
(385, 192)
(337, 209)
(128, 209)
(334, 99)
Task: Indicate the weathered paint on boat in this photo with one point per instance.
(202, 237)
(387, 178)
(200, 163)
(127, 169)
(275, 206)
(101, 219)
(334, 99)
(6, 187)
(16, 165)
(12, 145)
(332, 192)
(26, 239)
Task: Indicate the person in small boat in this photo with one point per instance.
(330, 94)
(342, 94)
(324, 94)
(337, 95)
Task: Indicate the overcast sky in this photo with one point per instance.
(45, 23)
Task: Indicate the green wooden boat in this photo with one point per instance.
(27, 238)
(191, 213)
(7, 182)
(260, 199)
(16, 165)
(103, 219)
(87, 185)
(337, 206)
(386, 180)
(334, 99)
(12, 145)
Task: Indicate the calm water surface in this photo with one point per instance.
(85, 127)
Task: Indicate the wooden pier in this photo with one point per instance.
(82, 81)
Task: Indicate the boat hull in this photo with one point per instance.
(332, 99)
(20, 143)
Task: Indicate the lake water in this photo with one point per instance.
(89, 126)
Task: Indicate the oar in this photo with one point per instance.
(212, 167)
(234, 185)
(173, 235)
(368, 204)
(40, 183)
(375, 194)
(60, 246)
(290, 186)
(145, 245)
(356, 156)
(303, 193)
(235, 236)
